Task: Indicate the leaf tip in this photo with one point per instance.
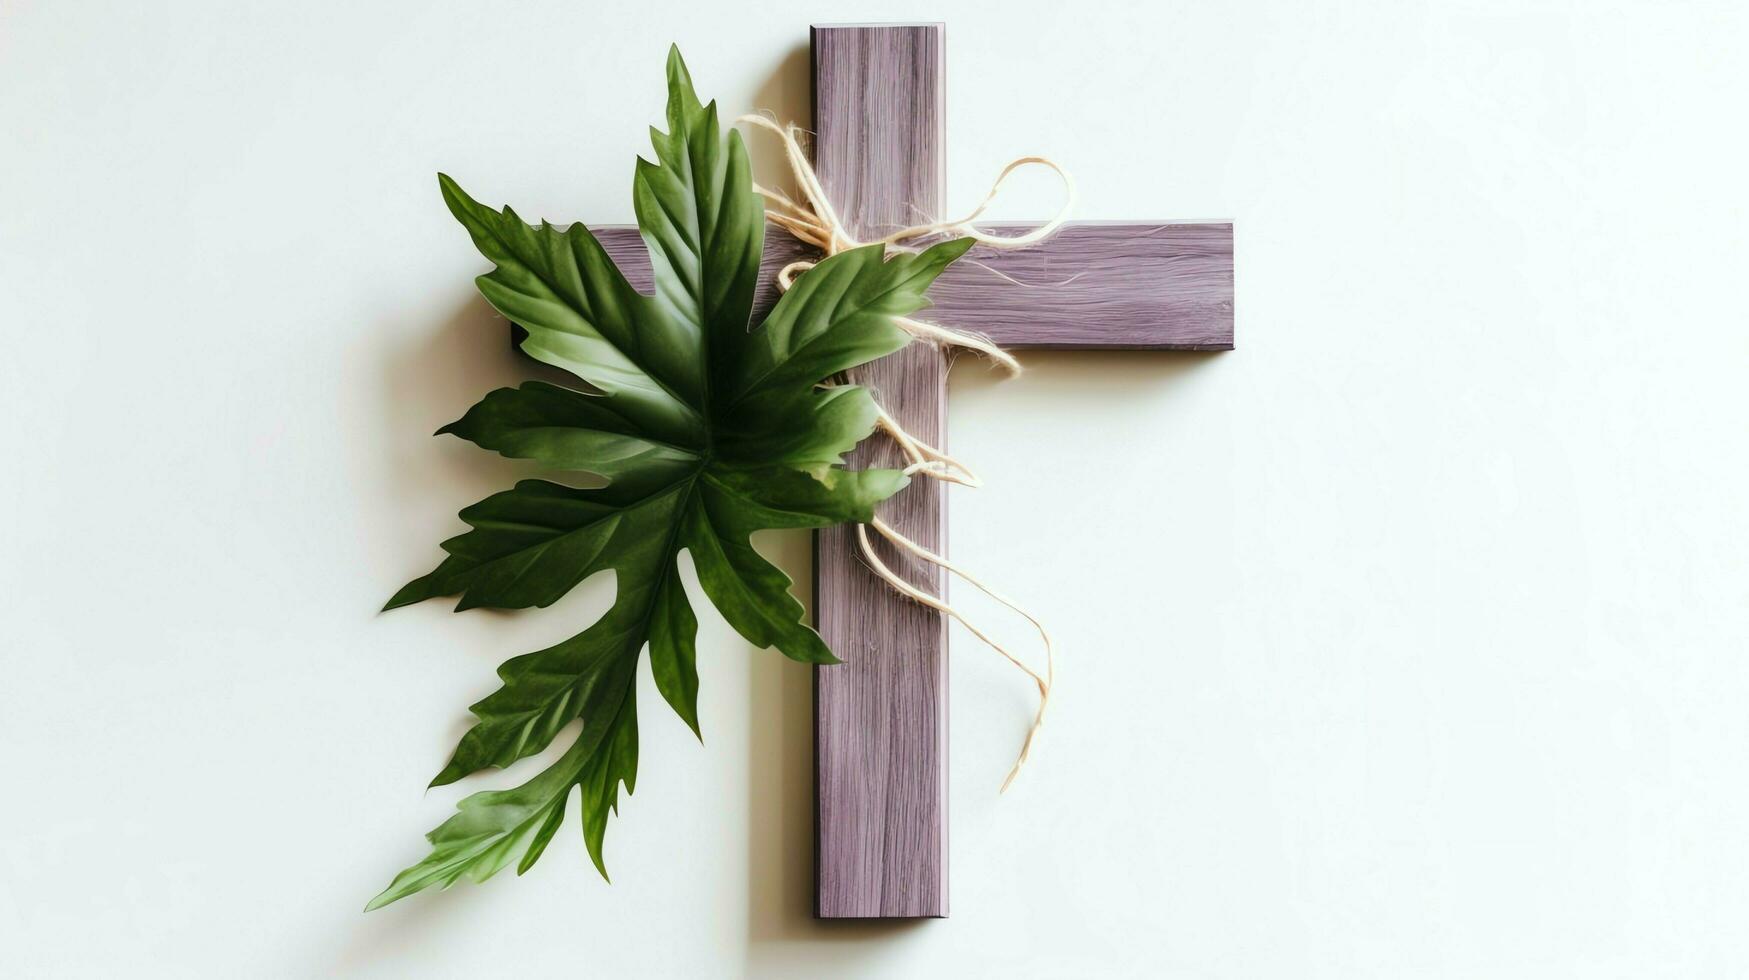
(456, 199)
(410, 593)
(451, 772)
(811, 650)
(447, 186)
(467, 602)
(953, 248)
(681, 97)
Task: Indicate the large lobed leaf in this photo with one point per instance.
(705, 431)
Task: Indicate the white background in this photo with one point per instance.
(1407, 640)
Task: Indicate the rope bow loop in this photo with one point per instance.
(814, 221)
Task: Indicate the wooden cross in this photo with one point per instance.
(881, 716)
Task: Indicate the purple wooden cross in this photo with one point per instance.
(881, 716)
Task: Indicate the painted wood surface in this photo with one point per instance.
(881, 716)
(1161, 286)
(1114, 285)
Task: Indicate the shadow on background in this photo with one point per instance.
(429, 384)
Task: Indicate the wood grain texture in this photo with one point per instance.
(1113, 285)
(881, 716)
(1162, 286)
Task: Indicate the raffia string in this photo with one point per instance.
(814, 221)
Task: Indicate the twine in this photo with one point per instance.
(815, 222)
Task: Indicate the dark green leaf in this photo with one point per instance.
(673, 650)
(568, 430)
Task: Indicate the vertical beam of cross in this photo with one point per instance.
(881, 716)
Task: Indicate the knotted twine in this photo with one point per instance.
(815, 222)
